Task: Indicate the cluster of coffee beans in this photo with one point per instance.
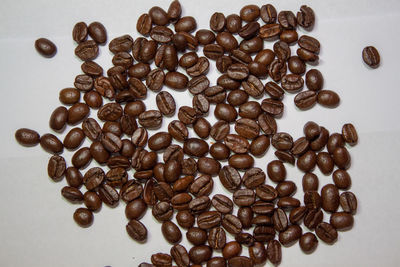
(183, 180)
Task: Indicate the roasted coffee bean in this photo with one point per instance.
(166, 57)
(131, 190)
(159, 141)
(139, 70)
(282, 141)
(326, 232)
(112, 127)
(162, 211)
(335, 140)
(205, 37)
(98, 152)
(227, 41)
(341, 158)
(320, 141)
(161, 34)
(228, 83)
(290, 235)
(93, 178)
(172, 170)
(121, 44)
(111, 142)
(77, 113)
(238, 71)
(74, 138)
(185, 24)
(245, 215)
(272, 107)
(266, 192)
(309, 43)
(307, 55)
(56, 167)
(253, 45)
(219, 130)
(93, 99)
(139, 137)
(137, 230)
(289, 37)
(191, 41)
(176, 80)
(233, 23)
(257, 69)
(178, 130)
(285, 156)
(263, 220)
(180, 255)
(74, 177)
(119, 162)
(286, 188)
(173, 152)
(264, 233)
(225, 112)
(137, 88)
(98, 32)
(249, 30)
(108, 195)
(249, 13)
(247, 128)
(314, 80)
(292, 83)
(342, 221)
(306, 17)
(216, 261)
(231, 249)
(280, 220)
(250, 110)
(219, 151)
(252, 86)
(230, 178)
(371, 56)
(171, 232)
(196, 236)
(208, 166)
(259, 145)
(217, 22)
(45, 47)
(83, 217)
(92, 201)
(312, 200)
(201, 106)
(305, 100)
(276, 171)
(189, 166)
(185, 219)
(150, 119)
(213, 51)
(87, 50)
(161, 259)
(223, 63)
(209, 219)
(155, 80)
(253, 178)
(222, 203)
(349, 134)
(237, 143)
(202, 186)
(79, 32)
(58, 118)
(165, 103)
(116, 177)
(308, 242)
(51, 143)
(69, 96)
(198, 84)
(244, 197)
(158, 15)
(262, 208)
(330, 198)
(188, 59)
(143, 25)
(297, 214)
(325, 162)
(307, 161)
(240, 261)
(199, 204)
(268, 13)
(91, 68)
(174, 10)
(257, 253)
(274, 90)
(267, 124)
(215, 94)
(311, 130)
(144, 50)
(195, 147)
(200, 254)
(348, 202)
(342, 179)
(231, 224)
(135, 209)
(282, 50)
(81, 158)
(241, 161)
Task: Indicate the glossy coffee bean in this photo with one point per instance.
(249, 13)
(27, 137)
(231, 249)
(308, 242)
(328, 98)
(326, 232)
(58, 118)
(325, 162)
(241, 161)
(51, 143)
(276, 171)
(45, 47)
(348, 202)
(349, 134)
(310, 182)
(314, 80)
(98, 32)
(171, 232)
(274, 253)
(77, 113)
(92, 201)
(199, 254)
(74, 138)
(83, 217)
(342, 179)
(371, 56)
(307, 161)
(290, 235)
(341, 221)
(341, 158)
(330, 198)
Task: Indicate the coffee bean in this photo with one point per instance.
(45, 47)
(74, 138)
(93, 178)
(274, 253)
(244, 197)
(199, 204)
(176, 80)
(208, 219)
(185, 219)
(222, 203)
(241, 161)
(286, 188)
(161, 259)
(308, 242)
(231, 249)
(162, 211)
(227, 41)
(79, 32)
(312, 200)
(215, 94)
(174, 10)
(349, 134)
(371, 56)
(285, 156)
(180, 255)
(314, 80)
(326, 232)
(280, 220)
(51, 143)
(282, 141)
(74, 177)
(139, 70)
(325, 162)
(217, 22)
(292, 82)
(267, 124)
(223, 63)
(305, 100)
(205, 37)
(287, 20)
(348, 202)
(144, 50)
(189, 166)
(171, 232)
(185, 24)
(150, 119)
(253, 45)
(216, 261)
(202, 186)
(83, 217)
(201, 106)
(233, 23)
(250, 110)
(236, 143)
(309, 43)
(276, 171)
(249, 13)
(272, 107)
(259, 145)
(197, 236)
(108, 195)
(137, 231)
(274, 90)
(341, 221)
(264, 233)
(97, 32)
(92, 201)
(208, 166)
(240, 261)
(166, 57)
(87, 50)
(266, 192)
(330, 198)
(245, 215)
(341, 158)
(161, 34)
(199, 254)
(306, 17)
(135, 209)
(290, 235)
(58, 118)
(56, 167)
(69, 96)
(252, 86)
(307, 161)
(297, 214)
(27, 137)
(249, 30)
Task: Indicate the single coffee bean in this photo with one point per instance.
(27, 137)
(202, 186)
(222, 203)
(108, 195)
(205, 37)
(83, 217)
(312, 200)
(236, 143)
(335, 140)
(268, 13)
(77, 113)
(201, 106)
(208, 219)
(215, 94)
(87, 50)
(289, 36)
(93, 178)
(328, 98)
(249, 13)
(241, 161)
(320, 141)
(135, 209)
(69, 96)
(341, 158)
(371, 56)
(219, 151)
(232, 224)
(306, 17)
(292, 83)
(253, 177)
(274, 90)
(79, 32)
(180, 255)
(349, 134)
(143, 25)
(245, 239)
(272, 107)
(150, 119)
(264, 233)
(231, 249)
(307, 161)
(230, 178)
(162, 211)
(288, 203)
(249, 30)
(97, 32)
(240, 261)
(341, 221)
(308, 242)
(314, 80)
(342, 179)
(266, 192)
(290, 235)
(144, 50)
(267, 124)
(282, 50)
(286, 188)
(174, 10)
(227, 41)
(158, 15)
(74, 138)
(257, 253)
(238, 71)
(253, 45)
(58, 118)
(155, 80)
(330, 198)
(51, 143)
(176, 80)
(285, 156)
(185, 24)
(247, 128)
(252, 86)
(189, 166)
(259, 145)
(244, 197)
(196, 236)
(348, 202)
(250, 110)
(280, 220)
(276, 171)
(56, 167)
(199, 204)
(93, 99)
(282, 141)
(137, 231)
(171, 232)
(74, 177)
(326, 232)
(178, 130)
(208, 166)
(305, 100)
(92, 201)
(185, 219)
(45, 47)
(199, 254)
(161, 259)
(325, 162)
(287, 20)
(297, 214)
(274, 253)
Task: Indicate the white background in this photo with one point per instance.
(36, 226)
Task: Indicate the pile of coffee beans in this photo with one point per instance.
(268, 215)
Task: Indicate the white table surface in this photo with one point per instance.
(36, 226)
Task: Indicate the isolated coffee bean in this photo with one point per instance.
(328, 98)
(79, 32)
(83, 217)
(56, 167)
(348, 202)
(136, 230)
(349, 134)
(92, 201)
(45, 47)
(341, 221)
(314, 80)
(27, 137)
(371, 56)
(308, 242)
(325, 162)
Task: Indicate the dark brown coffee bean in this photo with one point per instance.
(289, 37)
(252, 86)
(232, 224)
(292, 83)
(244, 197)
(158, 15)
(371, 56)
(222, 203)
(121, 44)
(215, 94)
(274, 90)
(245, 215)
(276, 171)
(249, 30)
(306, 17)
(325, 162)
(314, 80)
(216, 261)
(69, 96)
(74, 138)
(307, 56)
(81, 158)
(257, 253)
(321, 140)
(309, 43)
(240, 57)
(342, 221)
(91, 68)
(93, 99)
(205, 37)
(87, 50)
(348, 202)
(264, 233)
(56, 167)
(162, 211)
(237, 143)
(137, 231)
(253, 178)
(311, 130)
(326, 232)
(285, 156)
(97, 32)
(228, 83)
(342, 179)
(335, 140)
(249, 13)
(312, 200)
(139, 70)
(231, 249)
(341, 158)
(200, 254)
(198, 84)
(272, 107)
(202, 186)
(98, 152)
(282, 141)
(253, 45)
(155, 80)
(230, 178)
(174, 10)
(219, 151)
(58, 118)
(208, 166)
(143, 25)
(108, 195)
(171, 232)
(290, 235)
(111, 142)
(197, 236)
(51, 143)
(93, 178)
(280, 220)
(161, 34)
(259, 145)
(160, 140)
(150, 119)
(217, 22)
(79, 32)
(225, 112)
(308, 242)
(233, 23)
(185, 24)
(165, 103)
(307, 161)
(247, 128)
(116, 177)
(144, 50)
(201, 106)
(305, 100)
(178, 130)
(238, 71)
(135, 209)
(83, 217)
(187, 115)
(349, 134)
(176, 80)
(180, 255)
(227, 41)
(209, 219)
(250, 110)
(240, 261)
(199, 204)
(188, 59)
(92, 201)
(297, 214)
(45, 47)
(112, 127)
(268, 13)
(241, 161)
(74, 177)
(286, 188)
(166, 57)
(185, 219)
(330, 198)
